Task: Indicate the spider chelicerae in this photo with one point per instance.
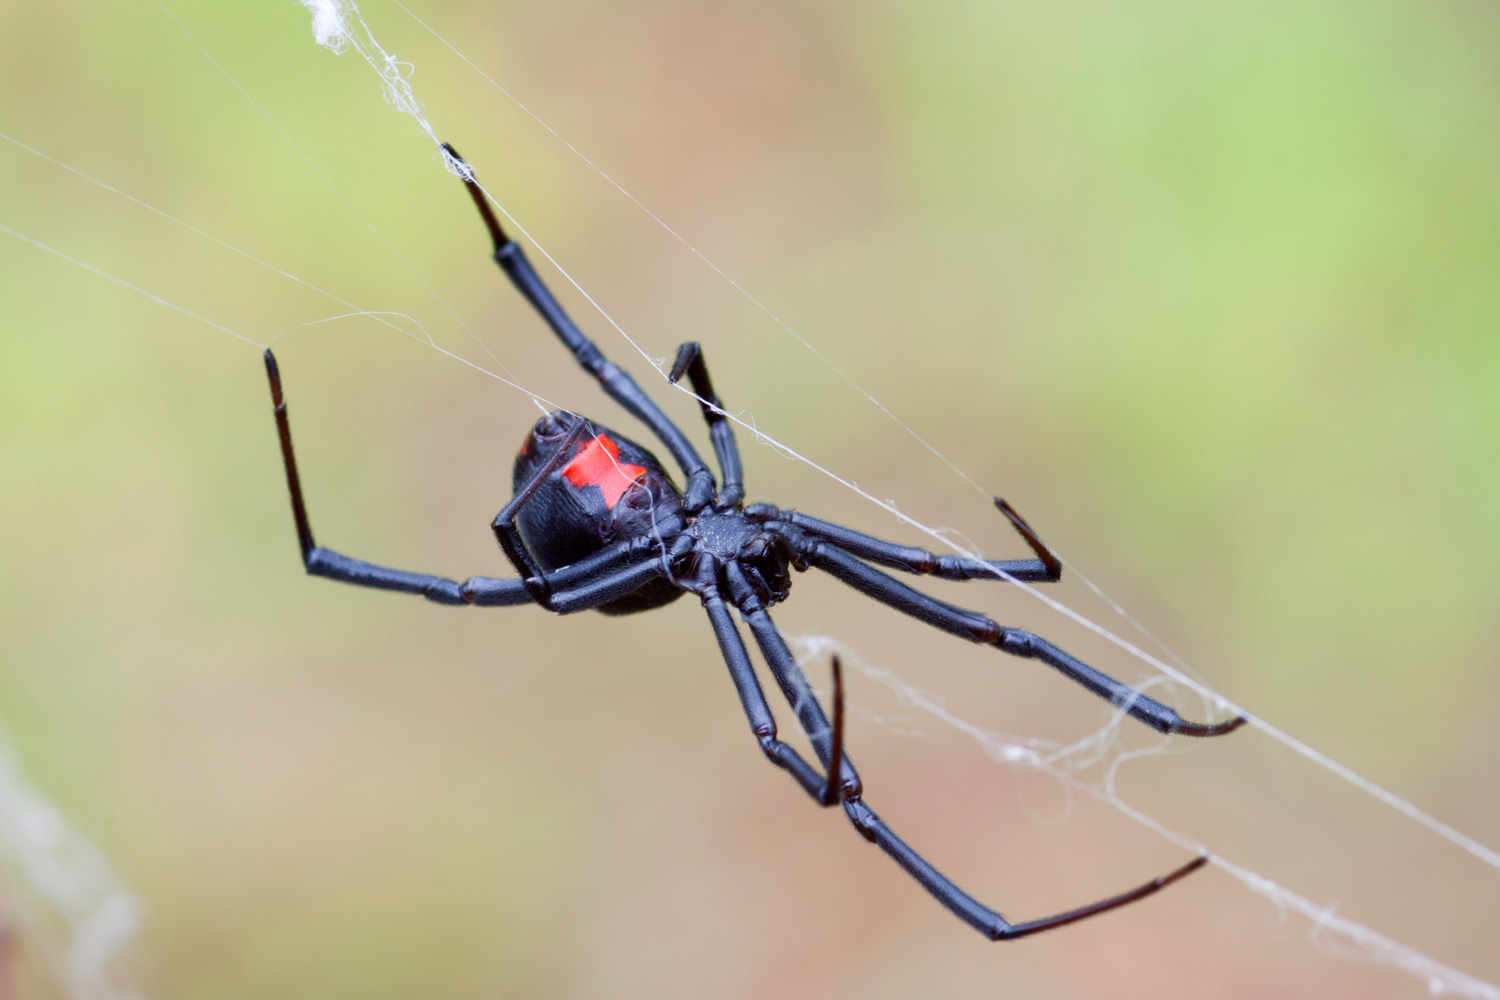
(596, 522)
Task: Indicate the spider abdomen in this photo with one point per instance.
(608, 489)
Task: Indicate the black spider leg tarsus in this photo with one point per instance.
(1045, 556)
(1012, 931)
(289, 458)
(874, 829)
(978, 628)
(720, 430)
(615, 381)
(1046, 568)
(831, 787)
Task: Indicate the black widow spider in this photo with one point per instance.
(595, 522)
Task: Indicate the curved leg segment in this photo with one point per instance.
(615, 381)
(844, 784)
(752, 699)
(325, 562)
(690, 360)
(587, 583)
(336, 566)
(974, 913)
(790, 679)
(504, 525)
(1045, 568)
(978, 628)
(1153, 713)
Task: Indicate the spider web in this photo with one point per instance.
(339, 26)
(63, 899)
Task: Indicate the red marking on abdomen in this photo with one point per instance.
(598, 464)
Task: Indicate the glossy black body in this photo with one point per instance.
(620, 537)
(564, 522)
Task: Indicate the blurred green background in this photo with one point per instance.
(1208, 291)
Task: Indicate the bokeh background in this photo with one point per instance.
(1209, 291)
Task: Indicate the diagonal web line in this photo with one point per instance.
(134, 288)
(414, 109)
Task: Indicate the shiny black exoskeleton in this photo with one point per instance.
(598, 488)
(581, 488)
(596, 522)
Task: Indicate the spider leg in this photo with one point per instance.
(615, 382)
(606, 587)
(970, 910)
(590, 581)
(486, 591)
(504, 525)
(978, 628)
(690, 360)
(789, 677)
(752, 699)
(326, 562)
(1046, 568)
(832, 785)
(844, 784)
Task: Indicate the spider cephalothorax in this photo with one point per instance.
(596, 522)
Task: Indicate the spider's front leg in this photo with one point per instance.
(614, 380)
(1045, 568)
(833, 559)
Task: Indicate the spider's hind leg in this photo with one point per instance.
(843, 784)
(970, 910)
(752, 698)
(793, 684)
(319, 561)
